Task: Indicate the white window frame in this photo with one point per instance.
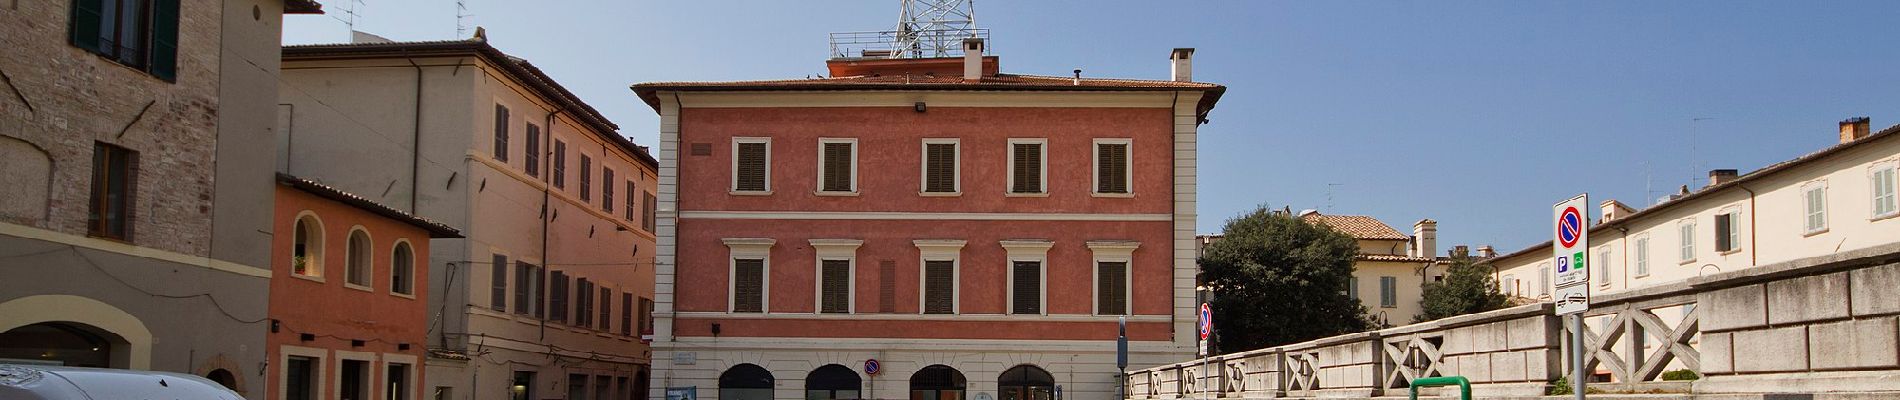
(1036, 250)
(369, 271)
(819, 188)
(1122, 251)
(410, 379)
(321, 358)
(1543, 279)
(1602, 261)
(835, 249)
(1352, 287)
(1095, 170)
(370, 381)
(1009, 159)
(1642, 255)
(315, 262)
(732, 187)
(749, 248)
(1510, 284)
(1809, 208)
(940, 250)
(956, 167)
(1685, 240)
(413, 260)
(1892, 169)
(1734, 214)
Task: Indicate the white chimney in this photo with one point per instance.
(1183, 64)
(1425, 238)
(973, 59)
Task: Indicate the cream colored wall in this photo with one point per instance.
(1409, 289)
(1383, 247)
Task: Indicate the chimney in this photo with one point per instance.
(1853, 129)
(1425, 238)
(1183, 64)
(973, 59)
(1460, 251)
(1721, 176)
(1613, 210)
(1487, 252)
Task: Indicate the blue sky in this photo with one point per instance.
(1479, 115)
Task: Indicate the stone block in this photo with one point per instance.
(1873, 290)
(1476, 367)
(1541, 365)
(1852, 344)
(1490, 337)
(1772, 350)
(1448, 365)
(1507, 366)
(1808, 298)
(1530, 332)
(1717, 355)
(1457, 341)
(1733, 308)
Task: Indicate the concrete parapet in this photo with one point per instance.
(1733, 308)
(1808, 298)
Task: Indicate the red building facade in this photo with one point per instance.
(975, 234)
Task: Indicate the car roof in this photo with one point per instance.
(48, 382)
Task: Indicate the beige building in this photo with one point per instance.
(1390, 268)
(1837, 199)
(549, 294)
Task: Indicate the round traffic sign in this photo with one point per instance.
(872, 367)
(1207, 320)
(1569, 227)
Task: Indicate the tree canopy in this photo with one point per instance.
(1467, 288)
(1276, 279)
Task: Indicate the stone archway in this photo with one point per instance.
(86, 311)
(234, 372)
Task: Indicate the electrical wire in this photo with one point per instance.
(207, 295)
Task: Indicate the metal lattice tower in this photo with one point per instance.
(925, 28)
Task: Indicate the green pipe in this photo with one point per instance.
(1464, 385)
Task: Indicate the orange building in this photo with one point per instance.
(348, 297)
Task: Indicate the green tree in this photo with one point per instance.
(1278, 280)
(1467, 288)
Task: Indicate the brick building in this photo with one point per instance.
(977, 233)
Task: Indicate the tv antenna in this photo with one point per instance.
(461, 18)
(350, 14)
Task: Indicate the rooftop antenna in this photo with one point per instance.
(1695, 167)
(1329, 195)
(350, 14)
(925, 29)
(461, 18)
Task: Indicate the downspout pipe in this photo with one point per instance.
(415, 143)
(547, 210)
(1752, 245)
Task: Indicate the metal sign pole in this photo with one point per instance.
(1576, 357)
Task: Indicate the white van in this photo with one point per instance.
(36, 382)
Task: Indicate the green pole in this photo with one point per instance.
(1464, 385)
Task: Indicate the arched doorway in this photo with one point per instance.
(745, 382)
(833, 382)
(1025, 382)
(223, 377)
(59, 343)
(937, 382)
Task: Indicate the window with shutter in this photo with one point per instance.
(1026, 167)
(557, 296)
(647, 217)
(1886, 203)
(1642, 256)
(606, 309)
(748, 285)
(940, 166)
(1027, 290)
(1111, 166)
(646, 316)
(540, 292)
(583, 302)
(587, 178)
(1724, 232)
(607, 190)
(114, 185)
(1352, 288)
(1111, 288)
(839, 160)
(749, 166)
(836, 286)
(626, 314)
(524, 278)
(1815, 198)
(498, 279)
(1388, 291)
(630, 202)
(141, 34)
(501, 133)
(1686, 237)
(560, 164)
(939, 287)
(531, 152)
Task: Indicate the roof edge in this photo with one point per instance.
(435, 229)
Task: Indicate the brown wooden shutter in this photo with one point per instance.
(1112, 171)
(1028, 287)
(583, 301)
(557, 296)
(1028, 159)
(887, 286)
(626, 314)
(560, 164)
(1111, 288)
(606, 309)
(501, 133)
(837, 286)
(751, 167)
(522, 277)
(1723, 223)
(748, 286)
(587, 178)
(652, 206)
(607, 190)
(939, 287)
(940, 168)
(837, 167)
(531, 154)
(630, 201)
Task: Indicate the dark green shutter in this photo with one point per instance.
(751, 167)
(939, 295)
(836, 277)
(165, 39)
(1028, 288)
(84, 26)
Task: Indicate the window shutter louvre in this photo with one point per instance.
(939, 289)
(557, 297)
(1028, 159)
(1113, 170)
(887, 286)
(748, 286)
(531, 153)
(647, 219)
(837, 167)
(941, 168)
(751, 167)
(1028, 288)
(165, 39)
(606, 322)
(501, 133)
(498, 294)
(837, 286)
(560, 164)
(607, 190)
(587, 178)
(84, 25)
(521, 288)
(540, 292)
(626, 314)
(1112, 284)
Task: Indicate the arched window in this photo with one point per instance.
(937, 382)
(358, 255)
(223, 377)
(833, 382)
(306, 246)
(61, 343)
(1025, 382)
(402, 270)
(745, 382)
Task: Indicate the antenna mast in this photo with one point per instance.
(461, 18)
(925, 29)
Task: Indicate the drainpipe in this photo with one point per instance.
(415, 143)
(547, 210)
(1751, 224)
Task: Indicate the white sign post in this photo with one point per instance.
(1570, 245)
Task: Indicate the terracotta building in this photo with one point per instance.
(349, 306)
(973, 232)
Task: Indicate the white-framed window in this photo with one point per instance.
(837, 261)
(1114, 275)
(1028, 275)
(303, 374)
(402, 269)
(498, 280)
(399, 377)
(1685, 237)
(1728, 230)
(306, 247)
(1602, 264)
(1352, 287)
(1814, 207)
(1388, 291)
(1508, 285)
(1113, 167)
(837, 166)
(358, 256)
(354, 375)
(1882, 181)
(1642, 256)
(750, 269)
(941, 259)
(751, 165)
(1028, 167)
(1543, 279)
(941, 173)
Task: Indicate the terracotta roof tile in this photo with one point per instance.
(1358, 226)
(1392, 258)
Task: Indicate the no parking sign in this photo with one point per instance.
(1570, 251)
